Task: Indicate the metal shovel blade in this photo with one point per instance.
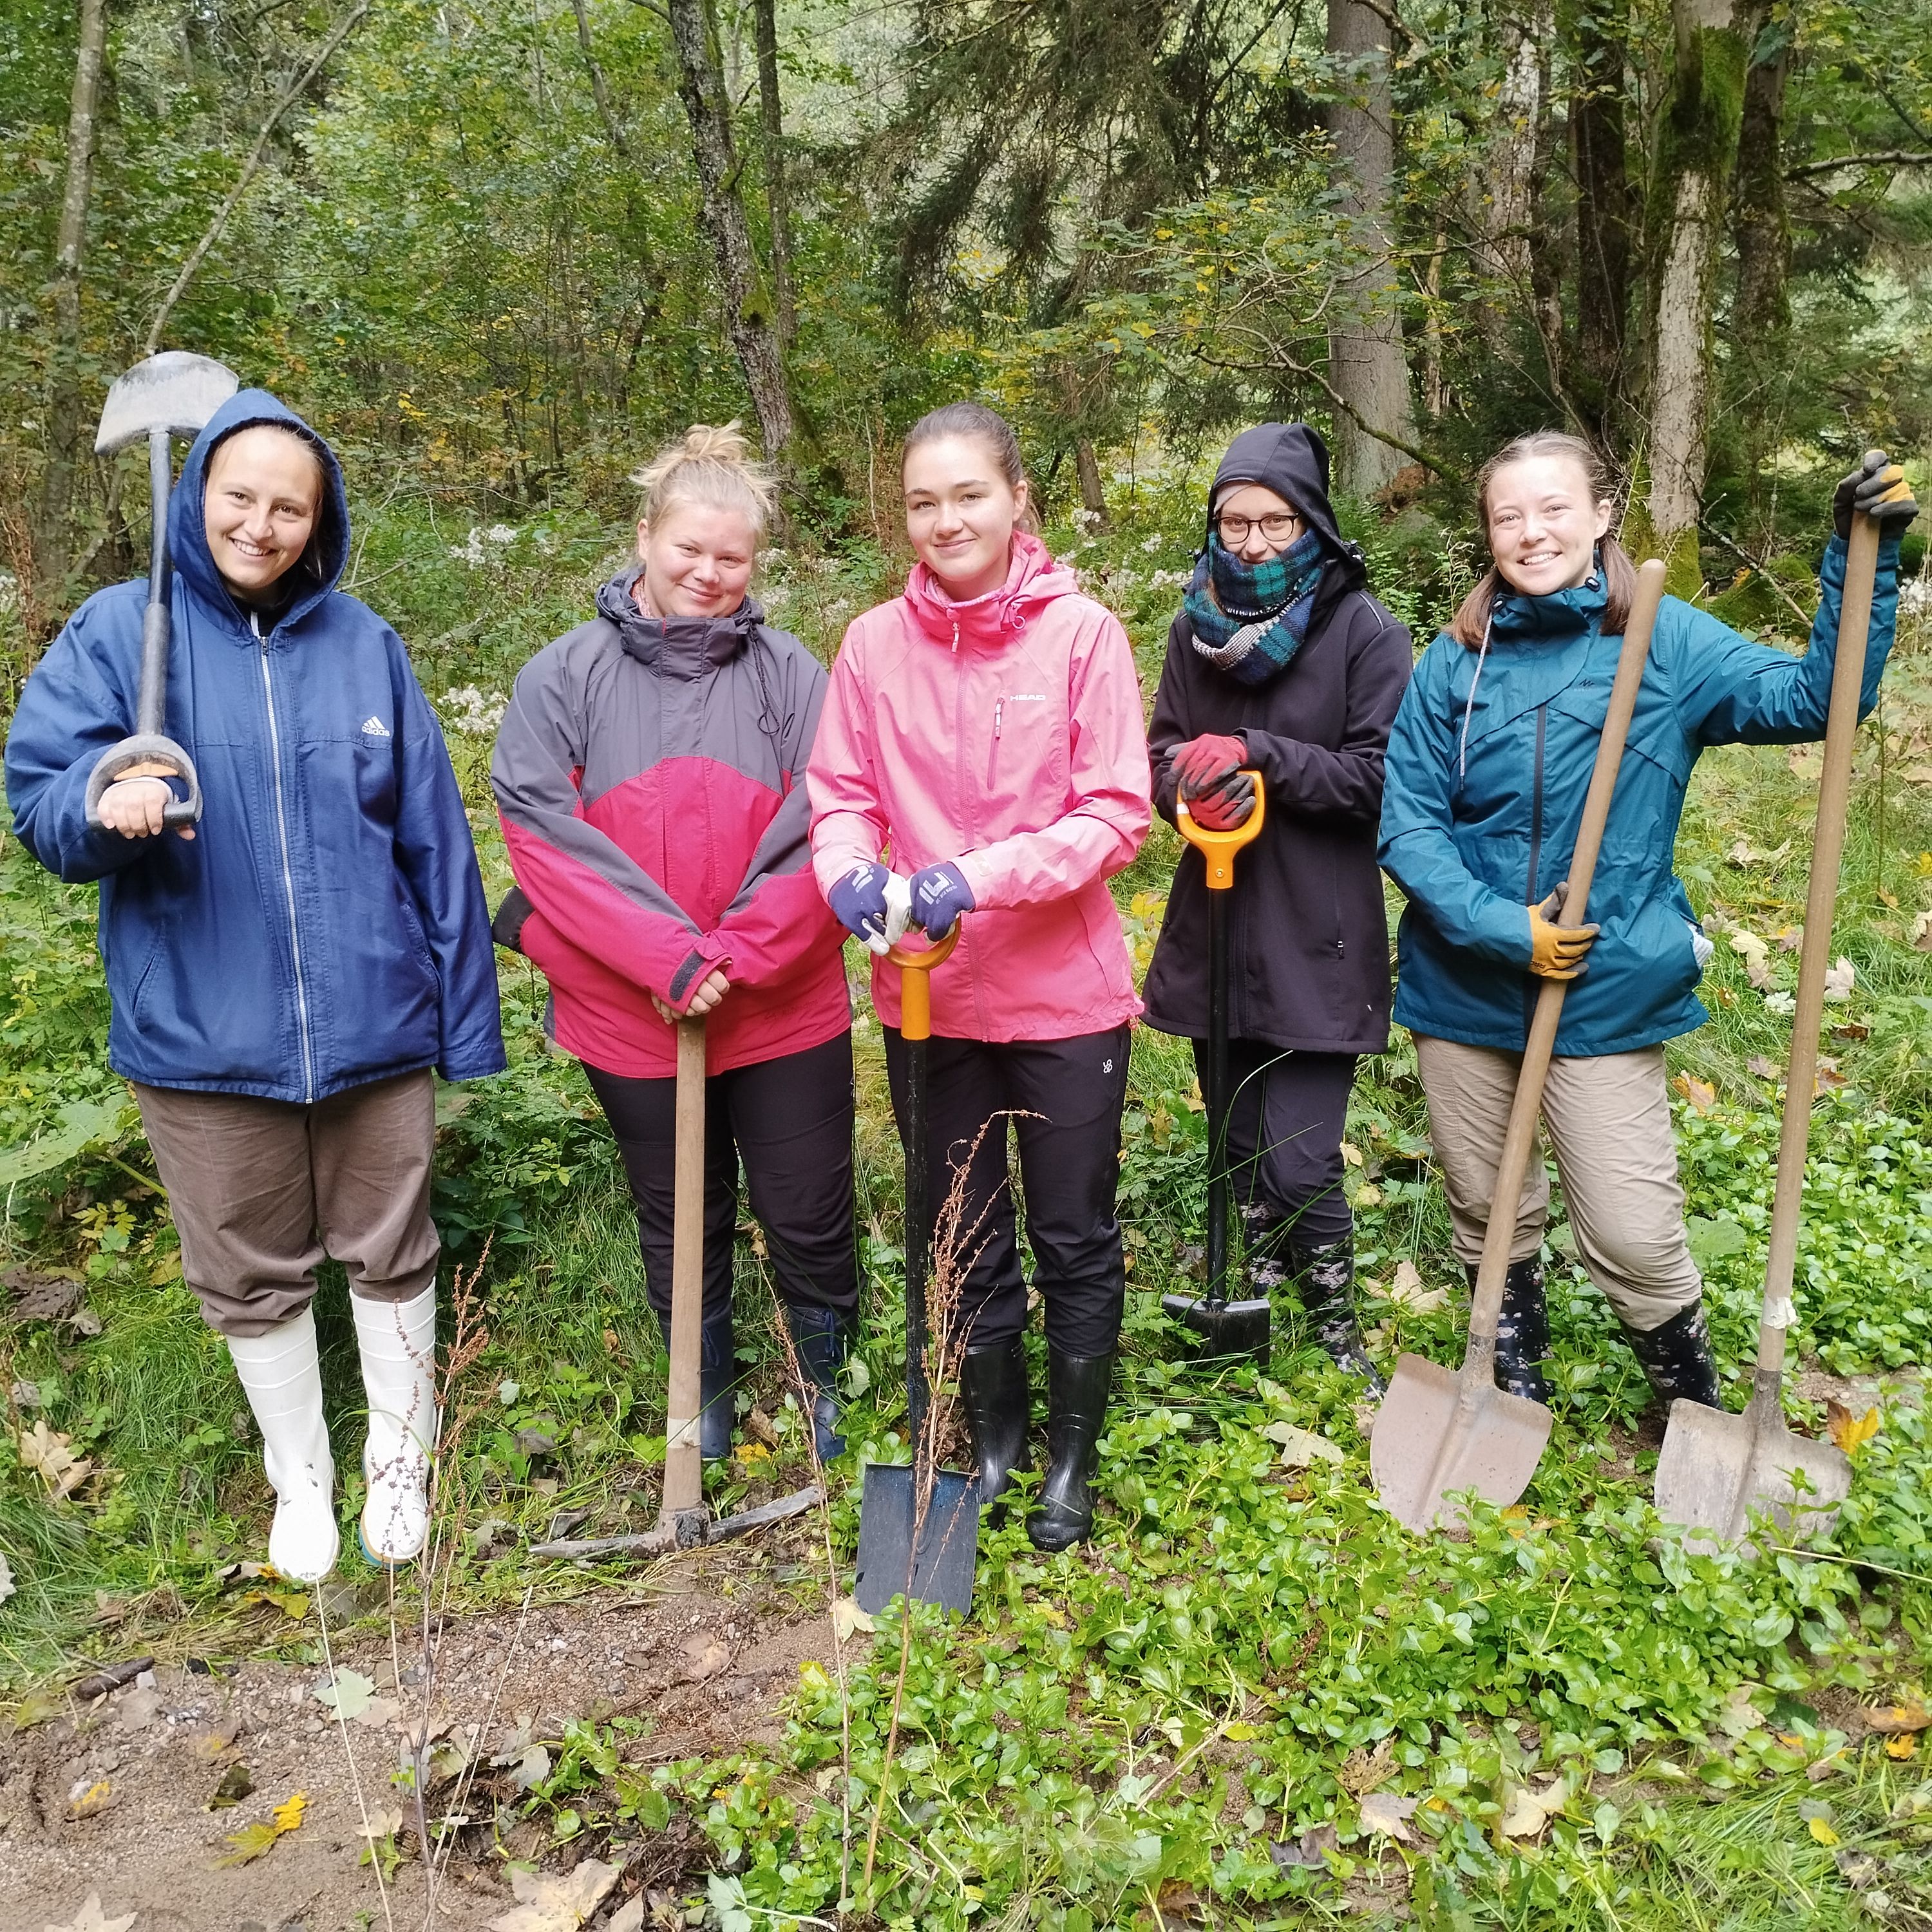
(174, 391)
(1440, 1430)
(1226, 1327)
(940, 1571)
(1714, 1469)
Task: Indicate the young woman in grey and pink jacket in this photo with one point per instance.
(983, 744)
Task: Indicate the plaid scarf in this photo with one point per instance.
(1249, 620)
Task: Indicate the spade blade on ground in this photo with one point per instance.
(1716, 1470)
(174, 392)
(1226, 1328)
(939, 1570)
(1439, 1432)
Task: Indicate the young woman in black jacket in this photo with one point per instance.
(1280, 662)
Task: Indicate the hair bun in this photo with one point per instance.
(710, 464)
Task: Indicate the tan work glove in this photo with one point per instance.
(1556, 951)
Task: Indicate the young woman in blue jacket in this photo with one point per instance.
(284, 976)
(1487, 767)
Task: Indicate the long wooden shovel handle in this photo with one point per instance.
(1828, 845)
(1527, 1105)
(684, 1465)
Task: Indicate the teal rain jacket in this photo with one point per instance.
(1482, 802)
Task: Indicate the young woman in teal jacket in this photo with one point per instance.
(1487, 767)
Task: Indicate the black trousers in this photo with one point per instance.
(1064, 1097)
(790, 1119)
(1285, 1125)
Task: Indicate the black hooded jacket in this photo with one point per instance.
(1308, 938)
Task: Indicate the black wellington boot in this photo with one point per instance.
(1324, 1278)
(1676, 1358)
(1076, 1406)
(824, 1339)
(999, 1407)
(1523, 1332)
(717, 1381)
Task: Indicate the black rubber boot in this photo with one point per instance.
(1324, 1278)
(1676, 1358)
(1076, 1406)
(999, 1407)
(824, 1339)
(717, 1381)
(1523, 1332)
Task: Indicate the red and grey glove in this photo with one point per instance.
(1219, 794)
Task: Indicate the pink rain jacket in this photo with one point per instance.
(1005, 734)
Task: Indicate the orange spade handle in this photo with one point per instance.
(1218, 848)
(915, 971)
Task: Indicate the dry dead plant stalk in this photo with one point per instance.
(956, 1243)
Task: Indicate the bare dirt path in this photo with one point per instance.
(112, 1797)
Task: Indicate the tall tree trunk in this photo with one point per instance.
(1093, 490)
(1762, 230)
(1508, 183)
(748, 313)
(1696, 148)
(778, 202)
(65, 436)
(1365, 364)
(1602, 214)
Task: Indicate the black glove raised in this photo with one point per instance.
(1877, 488)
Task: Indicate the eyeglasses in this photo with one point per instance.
(1278, 526)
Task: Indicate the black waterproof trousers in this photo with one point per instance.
(790, 1120)
(1285, 1128)
(1064, 1098)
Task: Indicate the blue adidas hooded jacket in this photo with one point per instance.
(1484, 798)
(326, 926)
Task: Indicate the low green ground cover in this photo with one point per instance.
(1254, 1701)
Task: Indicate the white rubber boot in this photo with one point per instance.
(397, 1341)
(282, 1375)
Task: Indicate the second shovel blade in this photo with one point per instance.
(1715, 1468)
(1439, 1431)
(1227, 1328)
(940, 1570)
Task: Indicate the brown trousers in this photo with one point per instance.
(1608, 1119)
(262, 1190)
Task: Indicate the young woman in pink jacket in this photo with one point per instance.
(982, 743)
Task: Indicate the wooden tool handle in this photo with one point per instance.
(1512, 1169)
(1828, 845)
(684, 1465)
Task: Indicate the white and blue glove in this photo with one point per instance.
(940, 894)
(871, 903)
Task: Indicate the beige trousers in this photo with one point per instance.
(1608, 1121)
(262, 1191)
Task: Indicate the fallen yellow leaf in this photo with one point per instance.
(1908, 1717)
(1850, 1431)
(1701, 1094)
(1822, 1831)
(1901, 1747)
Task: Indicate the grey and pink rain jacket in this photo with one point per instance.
(650, 776)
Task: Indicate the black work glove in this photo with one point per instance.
(1877, 488)
(507, 928)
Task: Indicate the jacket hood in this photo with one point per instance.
(1034, 580)
(319, 566)
(682, 646)
(1292, 460)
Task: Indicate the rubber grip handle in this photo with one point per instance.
(916, 970)
(145, 747)
(1218, 848)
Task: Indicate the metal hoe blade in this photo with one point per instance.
(174, 391)
(1229, 1328)
(1715, 1471)
(940, 1570)
(1440, 1430)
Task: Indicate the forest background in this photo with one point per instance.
(496, 254)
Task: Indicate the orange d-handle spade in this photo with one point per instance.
(1243, 1331)
(915, 971)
